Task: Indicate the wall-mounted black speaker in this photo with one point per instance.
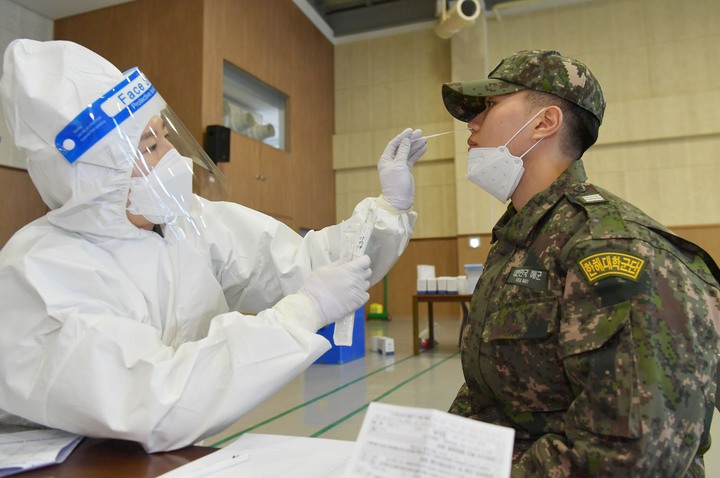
(217, 143)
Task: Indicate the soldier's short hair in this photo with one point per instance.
(578, 122)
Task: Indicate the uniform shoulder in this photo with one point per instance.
(614, 221)
(609, 216)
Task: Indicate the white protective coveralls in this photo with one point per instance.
(109, 330)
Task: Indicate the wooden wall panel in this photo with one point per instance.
(166, 43)
(705, 236)
(467, 255)
(402, 279)
(277, 44)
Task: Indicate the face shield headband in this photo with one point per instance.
(131, 128)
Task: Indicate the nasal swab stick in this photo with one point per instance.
(441, 134)
(436, 134)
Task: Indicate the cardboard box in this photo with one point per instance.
(386, 346)
(383, 345)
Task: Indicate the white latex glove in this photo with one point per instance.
(395, 168)
(339, 288)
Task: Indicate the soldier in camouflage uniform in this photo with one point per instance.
(592, 331)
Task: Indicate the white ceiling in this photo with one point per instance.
(55, 9)
(334, 18)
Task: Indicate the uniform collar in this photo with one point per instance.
(515, 227)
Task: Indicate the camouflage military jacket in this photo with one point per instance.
(591, 333)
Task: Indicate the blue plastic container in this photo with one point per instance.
(345, 353)
(473, 271)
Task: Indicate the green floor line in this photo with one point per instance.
(381, 396)
(265, 422)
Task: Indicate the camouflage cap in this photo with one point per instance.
(541, 70)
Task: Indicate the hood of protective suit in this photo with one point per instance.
(44, 86)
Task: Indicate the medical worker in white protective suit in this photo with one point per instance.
(135, 309)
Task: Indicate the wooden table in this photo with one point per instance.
(98, 458)
(430, 299)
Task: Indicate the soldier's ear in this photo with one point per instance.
(547, 123)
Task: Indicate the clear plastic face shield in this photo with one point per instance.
(132, 128)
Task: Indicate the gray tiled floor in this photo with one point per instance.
(329, 401)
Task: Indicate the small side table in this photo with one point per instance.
(430, 299)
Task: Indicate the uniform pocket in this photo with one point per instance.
(520, 361)
(593, 329)
(529, 321)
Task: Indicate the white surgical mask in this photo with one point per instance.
(165, 192)
(496, 170)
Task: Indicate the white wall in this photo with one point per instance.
(382, 86)
(18, 22)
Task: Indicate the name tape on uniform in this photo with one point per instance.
(528, 277)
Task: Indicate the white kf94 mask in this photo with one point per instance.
(165, 192)
(496, 170)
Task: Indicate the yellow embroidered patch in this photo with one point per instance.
(607, 264)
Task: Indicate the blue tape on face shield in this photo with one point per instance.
(104, 115)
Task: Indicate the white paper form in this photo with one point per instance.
(273, 456)
(26, 450)
(401, 442)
